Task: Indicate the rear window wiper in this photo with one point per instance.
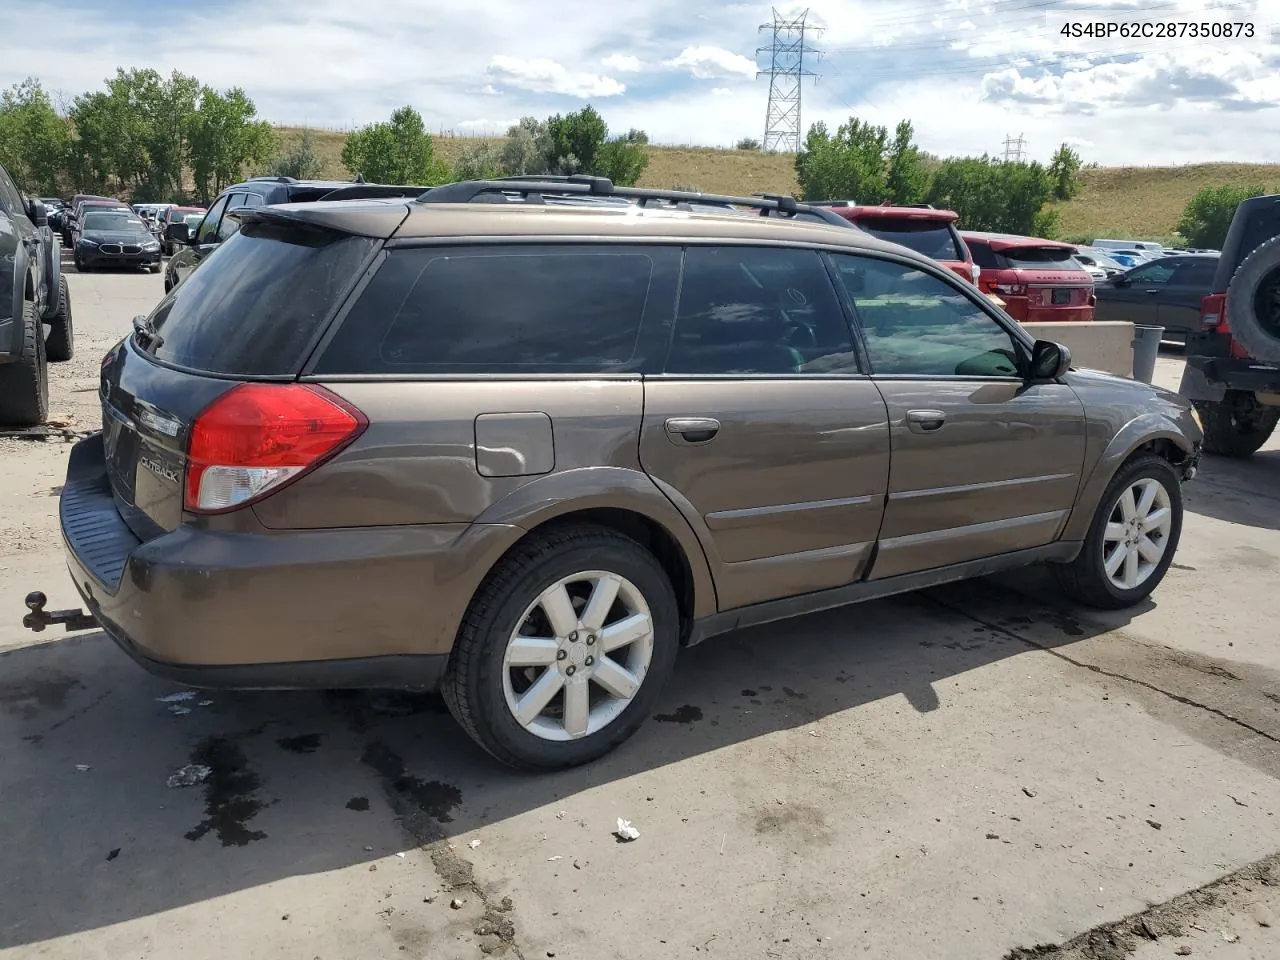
(143, 326)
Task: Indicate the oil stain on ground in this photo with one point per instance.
(230, 794)
(48, 690)
(359, 804)
(435, 799)
(686, 714)
(303, 743)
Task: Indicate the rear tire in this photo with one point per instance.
(1237, 425)
(483, 689)
(24, 383)
(1121, 530)
(60, 346)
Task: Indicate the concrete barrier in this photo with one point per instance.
(1105, 345)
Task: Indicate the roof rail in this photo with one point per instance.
(532, 189)
(366, 191)
(271, 180)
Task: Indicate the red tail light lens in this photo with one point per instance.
(1010, 289)
(1213, 310)
(257, 437)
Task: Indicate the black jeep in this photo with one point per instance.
(33, 294)
(1232, 373)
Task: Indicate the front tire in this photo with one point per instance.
(60, 346)
(1237, 425)
(1132, 539)
(24, 383)
(564, 649)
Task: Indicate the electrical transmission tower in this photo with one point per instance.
(1013, 149)
(786, 75)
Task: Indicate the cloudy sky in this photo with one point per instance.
(966, 72)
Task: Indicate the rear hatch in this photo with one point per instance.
(253, 312)
(1048, 274)
(931, 233)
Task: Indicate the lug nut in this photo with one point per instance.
(562, 654)
(573, 637)
(590, 661)
(591, 639)
(571, 671)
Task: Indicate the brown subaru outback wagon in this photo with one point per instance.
(524, 450)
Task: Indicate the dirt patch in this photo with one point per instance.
(1234, 893)
(795, 818)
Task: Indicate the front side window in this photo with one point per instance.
(504, 309)
(916, 324)
(1153, 273)
(208, 232)
(758, 310)
(230, 224)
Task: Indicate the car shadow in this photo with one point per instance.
(1244, 491)
(303, 783)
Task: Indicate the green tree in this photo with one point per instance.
(396, 151)
(299, 160)
(747, 143)
(479, 161)
(851, 165)
(907, 180)
(225, 136)
(34, 140)
(1064, 169)
(526, 149)
(1207, 215)
(575, 143)
(989, 194)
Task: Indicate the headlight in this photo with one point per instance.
(150, 245)
(86, 243)
(1195, 415)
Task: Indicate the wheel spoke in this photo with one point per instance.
(1128, 508)
(1131, 559)
(531, 652)
(1150, 550)
(559, 610)
(1116, 532)
(616, 679)
(603, 593)
(1149, 491)
(625, 631)
(577, 707)
(1115, 559)
(1157, 519)
(534, 700)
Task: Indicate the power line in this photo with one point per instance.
(786, 77)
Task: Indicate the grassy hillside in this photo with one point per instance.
(1129, 202)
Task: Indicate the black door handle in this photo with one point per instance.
(692, 429)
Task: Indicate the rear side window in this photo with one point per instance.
(257, 304)
(982, 255)
(1196, 273)
(506, 309)
(759, 310)
(935, 239)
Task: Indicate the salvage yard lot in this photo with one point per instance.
(953, 774)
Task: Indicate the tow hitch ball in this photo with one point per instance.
(39, 617)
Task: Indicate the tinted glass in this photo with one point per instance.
(96, 220)
(230, 225)
(917, 324)
(10, 199)
(761, 310)
(257, 304)
(208, 229)
(1196, 272)
(930, 237)
(982, 255)
(1152, 273)
(544, 309)
(1044, 258)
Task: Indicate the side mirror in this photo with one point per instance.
(179, 232)
(1049, 361)
(38, 213)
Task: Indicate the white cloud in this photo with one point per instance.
(622, 63)
(722, 92)
(714, 63)
(489, 90)
(547, 76)
(487, 126)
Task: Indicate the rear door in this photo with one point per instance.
(1179, 307)
(763, 427)
(1135, 296)
(983, 463)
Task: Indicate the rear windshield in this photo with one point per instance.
(257, 304)
(932, 238)
(1045, 258)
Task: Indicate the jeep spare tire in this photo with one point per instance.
(1253, 303)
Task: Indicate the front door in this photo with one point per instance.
(762, 427)
(983, 463)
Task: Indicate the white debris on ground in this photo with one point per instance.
(626, 832)
(83, 767)
(473, 844)
(189, 775)
(178, 697)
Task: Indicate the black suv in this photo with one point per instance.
(33, 293)
(1232, 373)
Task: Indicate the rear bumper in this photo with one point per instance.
(362, 607)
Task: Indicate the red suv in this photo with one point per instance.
(1038, 280)
(923, 229)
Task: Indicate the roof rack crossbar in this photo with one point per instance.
(528, 186)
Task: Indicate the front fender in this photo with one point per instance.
(52, 272)
(1142, 429)
(607, 488)
(12, 333)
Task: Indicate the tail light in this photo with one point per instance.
(1010, 289)
(1213, 310)
(257, 437)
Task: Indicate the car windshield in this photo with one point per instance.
(193, 219)
(111, 220)
(932, 238)
(1042, 257)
